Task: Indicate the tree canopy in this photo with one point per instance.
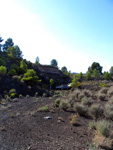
(96, 66)
(14, 52)
(8, 43)
(63, 69)
(54, 63)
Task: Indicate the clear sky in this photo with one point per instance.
(74, 32)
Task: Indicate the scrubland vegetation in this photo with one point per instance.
(86, 111)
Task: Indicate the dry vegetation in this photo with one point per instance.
(79, 119)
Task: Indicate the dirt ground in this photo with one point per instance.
(22, 127)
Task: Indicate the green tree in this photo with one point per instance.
(111, 70)
(14, 52)
(37, 60)
(8, 43)
(54, 63)
(74, 82)
(30, 77)
(107, 76)
(2, 61)
(95, 73)
(1, 40)
(64, 69)
(80, 75)
(88, 75)
(23, 67)
(97, 66)
(3, 70)
(51, 83)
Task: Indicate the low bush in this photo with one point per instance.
(110, 91)
(86, 101)
(20, 95)
(103, 127)
(12, 93)
(81, 109)
(57, 102)
(73, 120)
(12, 72)
(80, 96)
(3, 70)
(44, 108)
(92, 125)
(101, 97)
(109, 111)
(103, 84)
(96, 111)
(64, 105)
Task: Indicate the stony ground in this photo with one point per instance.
(22, 127)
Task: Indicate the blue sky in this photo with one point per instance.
(74, 32)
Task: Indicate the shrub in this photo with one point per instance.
(95, 73)
(92, 125)
(86, 101)
(80, 109)
(64, 105)
(27, 96)
(3, 70)
(80, 75)
(87, 93)
(107, 76)
(104, 90)
(74, 82)
(57, 102)
(73, 120)
(80, 96)
(88, 75)
(103, 127)
(31, 77)
(2, 62)
(101, 97)
(12, 72)
(7, 98)
(110, 91)
(36, 94)
(103, 84)
(109, 110)
(96, 111)
(23, 67)
(12, 91)
(51, 82)
(44, 108)
(12, 95)
(20, 95)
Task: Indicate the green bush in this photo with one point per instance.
(88, 75)
(81, 109)
(86, 101)
(92, 125)
(103, 84)
(31, 77)
(23, 67)
(44, 108)
(95, 73)
(12, 72)
(3, 70)
(74, 82)
(57, 102)
(103, 127)
(2, 62)
(96, 111)
(12, 93)
(107, 76)
(64, 105)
